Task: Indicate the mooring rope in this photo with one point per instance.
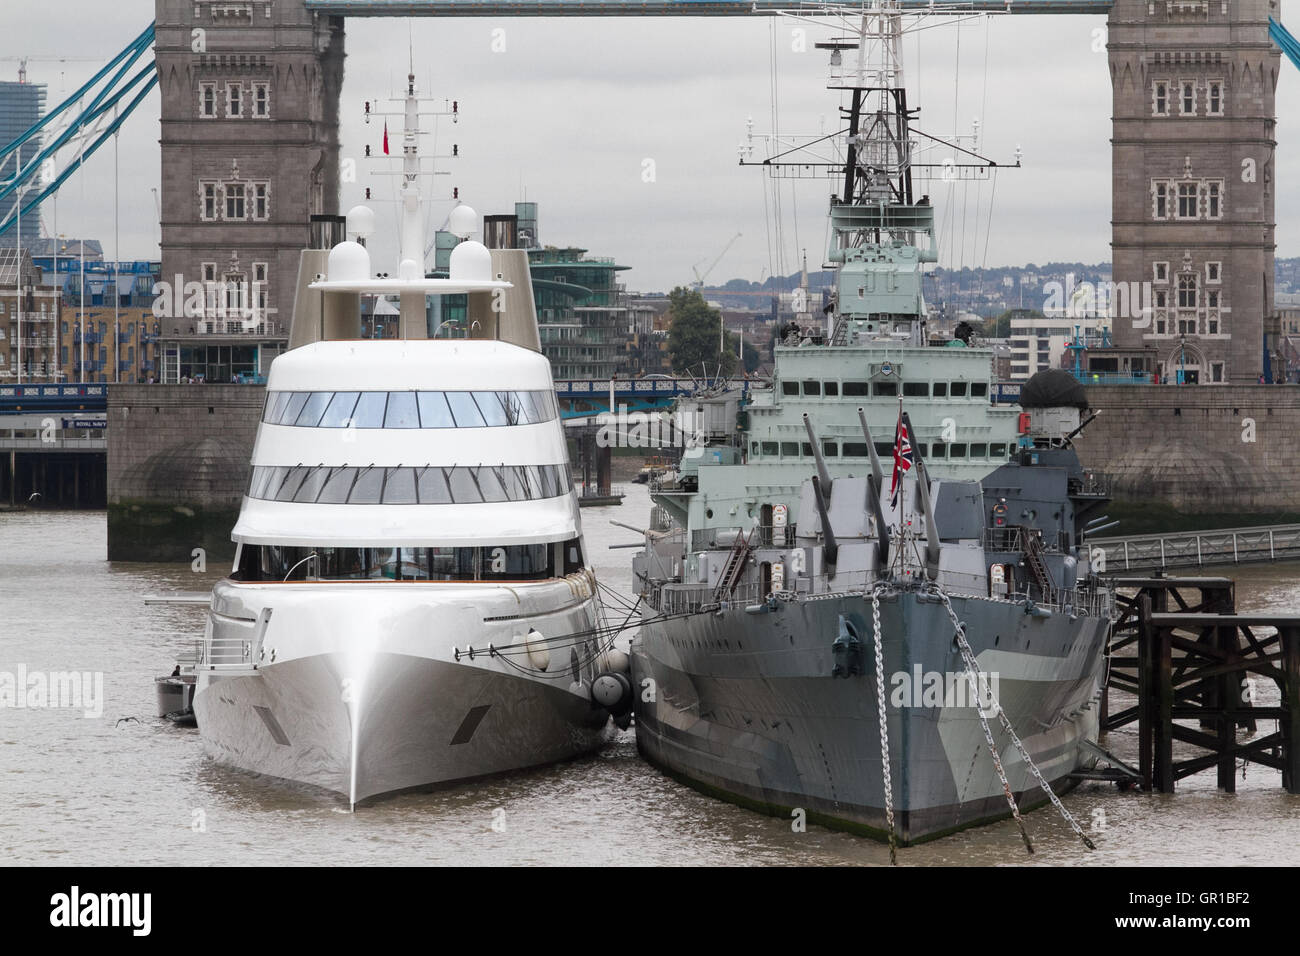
(972, 674)
(884, 732)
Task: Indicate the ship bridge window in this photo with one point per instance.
(425, 485)
(855, 389)
(369, 412)
(831, 449)
(979, 389)
(940, 390)
(486, 563)
(812, 388)
(957, 450)
(884, 388)
(856, 449)
(807, 449)
(313, 409)
(434, 412)
(770, 448)
(916, 389)
(339, 411)
(789, 449)
(831, 389)
(997, 450)
(789, 388)
(938, 450)
(957, 389)
(401, 412)
(979, 451)
(409, 409)
(885, 449)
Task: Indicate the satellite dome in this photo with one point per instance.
(470, 262)
(348, 262)
(1053, 388)
(361, 221)
(463, 221)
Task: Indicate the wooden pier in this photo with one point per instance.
(1191, 657)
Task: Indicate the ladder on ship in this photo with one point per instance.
(1034, 561)
(733, 569)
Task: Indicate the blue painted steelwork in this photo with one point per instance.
(106, 99)
(1285, 41)
(73, 397)
(671, 8)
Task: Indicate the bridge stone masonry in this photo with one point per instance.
(1193, 451)
(178, 466)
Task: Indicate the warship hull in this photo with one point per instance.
(741, 704)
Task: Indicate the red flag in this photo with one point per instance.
(385, 137)
(902, 456)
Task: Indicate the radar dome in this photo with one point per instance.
(470, 262)
(361, 221)
(348, 262)
(463, 221)
(1053, 388)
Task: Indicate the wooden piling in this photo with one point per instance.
(1290, 640)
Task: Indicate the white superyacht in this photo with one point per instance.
(411, 604)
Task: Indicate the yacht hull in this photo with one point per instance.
(412, 723)
(744, 706)
(367, 689)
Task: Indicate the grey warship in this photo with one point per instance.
(901, 652)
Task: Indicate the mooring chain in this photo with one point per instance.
(884, 732)
(972, 673)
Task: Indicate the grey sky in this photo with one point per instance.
(570, 110)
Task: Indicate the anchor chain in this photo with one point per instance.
(972, 673)
(884, 733)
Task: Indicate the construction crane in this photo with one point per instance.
(22, 62)
(700, 277)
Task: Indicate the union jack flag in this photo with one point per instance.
(903, 456)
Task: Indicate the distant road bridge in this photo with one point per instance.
(1194, 549)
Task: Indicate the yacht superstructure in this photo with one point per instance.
(411, 604)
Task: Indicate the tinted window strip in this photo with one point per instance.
(504, 408)
(512, 483)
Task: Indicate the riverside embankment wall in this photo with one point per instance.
(178, 466)
(1198, 450)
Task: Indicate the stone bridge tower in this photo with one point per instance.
(250, 143)
(1195, 182)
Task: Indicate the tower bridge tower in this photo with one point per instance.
(250, 150)
(1195, 183)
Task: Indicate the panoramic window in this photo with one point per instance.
(409, 409)
(424, 484)
(477, 563)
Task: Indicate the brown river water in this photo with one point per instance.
(125, 787)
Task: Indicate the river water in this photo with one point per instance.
(128, 788)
